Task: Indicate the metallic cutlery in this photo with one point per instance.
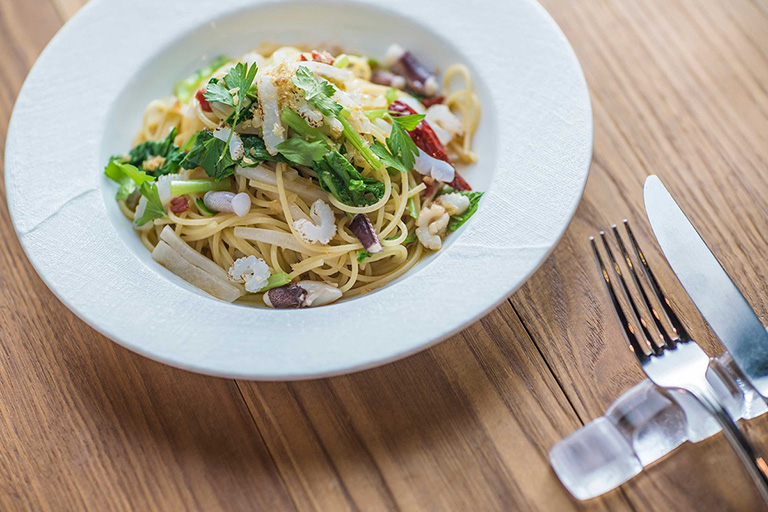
(669, 356)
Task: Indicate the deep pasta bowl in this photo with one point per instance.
(84, 99)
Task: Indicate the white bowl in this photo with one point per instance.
(84, 99)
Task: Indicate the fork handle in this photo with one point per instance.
(756, 465)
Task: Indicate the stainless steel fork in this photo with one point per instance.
(670, 358)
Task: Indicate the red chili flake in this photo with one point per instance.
(204, 105)
(179, 204)
(428, 102)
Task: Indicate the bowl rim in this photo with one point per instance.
(99, 277)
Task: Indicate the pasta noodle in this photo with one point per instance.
(283, 194)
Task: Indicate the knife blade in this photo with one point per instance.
(708, 284)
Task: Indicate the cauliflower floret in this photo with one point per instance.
(322, 226)
(432, 223)
(454, 203)
(252, 271)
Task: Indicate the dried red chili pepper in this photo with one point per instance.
(426, 139)
(204, 105)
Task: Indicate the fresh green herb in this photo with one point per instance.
(361, 255)
(373, 63)
(318, 94)
(125, 175)
(342, 61)
(169, 152)
(357, 142)
(238, 82)
(185, 89)
(410, 239)
(216, 90)
(211, 154)
(376, 113)
(392, 163)
(412, 211)
(276, 280)
(400, 143)
(299, 151)
(458, 220)
(340, 178)
(190, 142)
(154, 209)
(203, 209)
(299, 125)
(391, 95)
(184, 187)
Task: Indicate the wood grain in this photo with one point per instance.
(678, 89)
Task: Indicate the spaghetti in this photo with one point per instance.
(301, 176)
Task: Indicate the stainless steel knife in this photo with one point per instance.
(716, 296)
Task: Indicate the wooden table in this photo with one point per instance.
(678, 89)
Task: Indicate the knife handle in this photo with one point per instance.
(756, 465)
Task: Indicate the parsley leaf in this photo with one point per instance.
(211, 154)
(256, 150)
(215, 91)
(125, 175)
(240, 78)
(154, 209)
(340, 178)
(361, 255)
(400, 143)
(317, 93)
(392, 163)
(458, 220)
(299, 151)
(166, 149)
(391, 95)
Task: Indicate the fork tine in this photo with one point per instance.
(634, 311)
(627, 327)
(665, 339)
(672, 318)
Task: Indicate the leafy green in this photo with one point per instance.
(376, 113)
(317, 94)
(386, 157)
(166, 149)
(185, 89)
(400, 143)
(409, 122)
(410, 239)
(256, 150)
(340, 178)
(238, 82)
(216, 91)
(203, 209)
(125, 175)
(342, 61)
(457, 221)
(299, 125)
(412, 211)
(391, 95)
(211, 154)
(154, 209)
(184, 187)
(299, 151)
(361, 255)
(275, 280)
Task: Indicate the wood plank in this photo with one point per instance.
(677, 91)
(85, 424)
(468, 422)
